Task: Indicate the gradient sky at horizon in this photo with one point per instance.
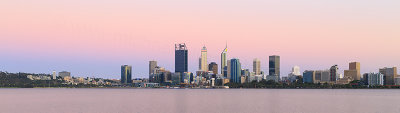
(95, 37)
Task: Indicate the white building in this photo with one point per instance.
(54, 75)
(292, 76)
(375, 79)
(296, 70)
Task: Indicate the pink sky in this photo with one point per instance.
(94, 37)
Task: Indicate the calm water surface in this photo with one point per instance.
(199, 101)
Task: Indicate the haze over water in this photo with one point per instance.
(199, 101)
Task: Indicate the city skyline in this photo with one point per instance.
(250, 66)
(101, 37)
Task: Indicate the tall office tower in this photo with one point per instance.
(224, 62)
(274, 66)
(354, 71)
(228, 69)
(204, 63)
(236, 71)
(181, 58)
(257, 66)
(152, 66)
(389, 75)
(334, 73)
(126, 74)
(213, 67)
(54, 75)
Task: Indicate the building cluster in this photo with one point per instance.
(385, 76)
(210, 74)
(66, 78)
(231, 71)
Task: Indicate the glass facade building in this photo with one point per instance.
(274, 65)
(181, 58)
(236, 71)
(126, 74)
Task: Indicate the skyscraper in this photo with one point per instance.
(334, 73)
(228, 69)
(152, 66)
(354, 71)
(236, 71)
(181, 58)
(257, 66)
(204, 63)
(126, 74)
(200, 63)
(213, 67)
(274, 66)
(224, 62)
(389, 75)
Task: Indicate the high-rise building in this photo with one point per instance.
(236, 71)
(224, 62)
(54, 75)
(295, 74)
(181, 58)
(322, 76)
(213, 67)
(354, 71)
(389, 75)
(204, 63)
(274, 66)
(228, 70)
(309, 76)
(334, 73)
(126, 74)
(316, 76)
(200, 63)
(354, 66)
(296, 70)
(176, 78)
(152, 66)
(186, 77)
(257, 66)
(159, 75)
(374, 79)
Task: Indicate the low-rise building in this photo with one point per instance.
(344, 80)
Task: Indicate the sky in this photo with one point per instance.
(93, 38)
